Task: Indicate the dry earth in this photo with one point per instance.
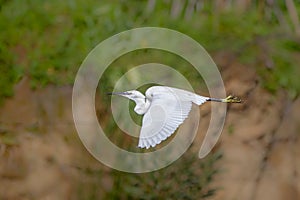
(41, 156)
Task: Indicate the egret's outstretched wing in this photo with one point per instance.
(169, 108)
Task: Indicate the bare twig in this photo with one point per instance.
(293, 15)
(151, 6)
(190, 9)
(279, 15)
(176, 9)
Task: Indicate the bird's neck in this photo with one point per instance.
(142, 105)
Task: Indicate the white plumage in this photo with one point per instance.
(164, 109)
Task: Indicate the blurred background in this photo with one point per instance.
(256, 46)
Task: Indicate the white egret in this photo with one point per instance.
(164, 109)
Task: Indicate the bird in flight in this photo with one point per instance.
(164, 109)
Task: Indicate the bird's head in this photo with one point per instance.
(131, 94)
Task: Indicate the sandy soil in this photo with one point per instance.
(42, 157)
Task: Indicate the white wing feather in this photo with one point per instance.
(169, 108)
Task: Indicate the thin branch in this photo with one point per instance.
(176, 9)
(190, 9)
(151, 6)
(293, 15)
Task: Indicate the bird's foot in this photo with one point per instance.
(232, 99)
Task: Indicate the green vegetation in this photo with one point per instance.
(187, 178)
(47, 40)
